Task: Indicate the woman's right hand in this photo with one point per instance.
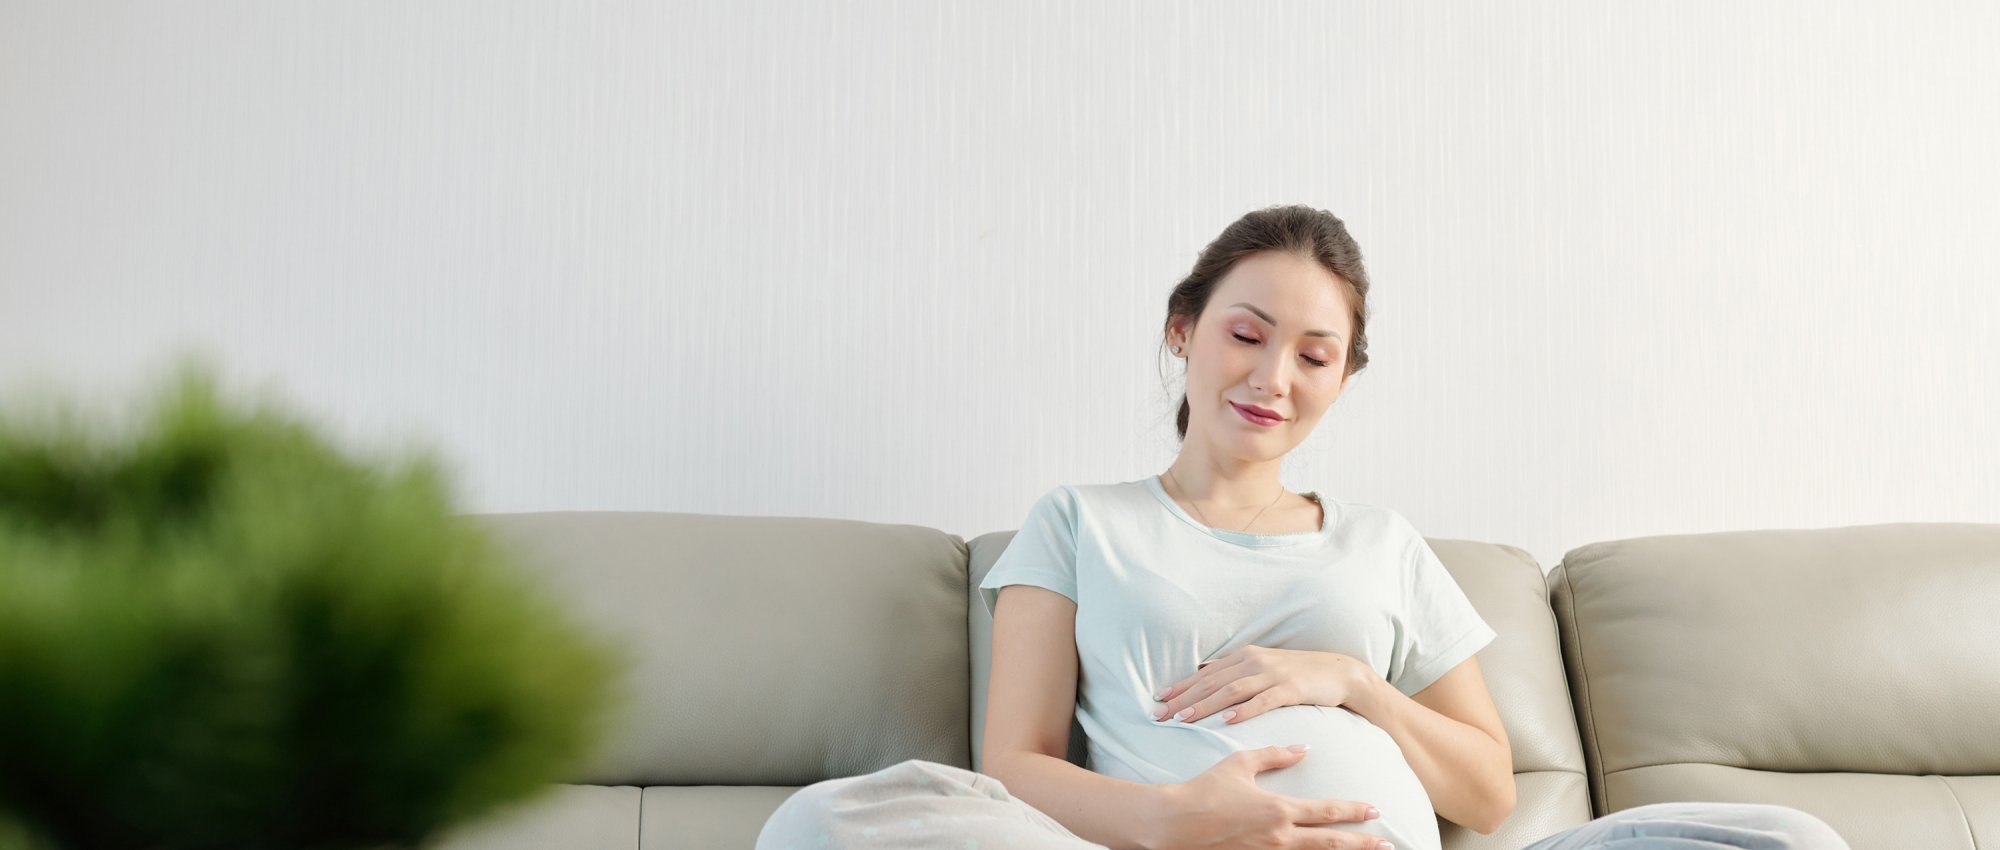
(1223, 809)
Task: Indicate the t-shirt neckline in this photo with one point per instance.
(1241, 538)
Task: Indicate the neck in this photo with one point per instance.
(1231, 485)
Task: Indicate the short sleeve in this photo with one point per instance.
(1042, 553)
(1438, 628)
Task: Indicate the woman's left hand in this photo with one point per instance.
(1250, 681)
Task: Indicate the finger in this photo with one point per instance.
(1245, 710)
(1260, 759)
(1320, 838)
(1188, 704)
(1177, 688)
(1306, 811)
(1223, 696)
(1171, 696)
(1180, 687)
(1179, 703)
(1220, 662)
(1197, 686)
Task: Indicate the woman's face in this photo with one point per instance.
(1294, 315)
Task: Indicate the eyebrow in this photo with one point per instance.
(1274, 323)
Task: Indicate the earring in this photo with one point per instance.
(1177, 349)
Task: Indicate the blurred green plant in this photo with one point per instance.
(220, 632)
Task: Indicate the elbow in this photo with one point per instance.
(1502, 809)
(1002, 764)
(1493, 823)
(995, 765)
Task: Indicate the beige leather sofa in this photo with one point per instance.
(1850, 672)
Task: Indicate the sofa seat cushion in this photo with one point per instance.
(707, 817)
(573, 817)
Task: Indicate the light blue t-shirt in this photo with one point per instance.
(1158, 592)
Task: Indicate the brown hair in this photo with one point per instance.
(1312, 234)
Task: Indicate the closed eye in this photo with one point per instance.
(1315, 363)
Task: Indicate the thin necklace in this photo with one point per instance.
(1204, 519)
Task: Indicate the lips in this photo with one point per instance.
(1257, 414)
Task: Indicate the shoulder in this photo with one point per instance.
(1379, 531)
(1057, 505)
(1373, 520)
(1062, 497)
(1098, 494)
(1097, 503)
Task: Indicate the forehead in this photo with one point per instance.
(1299, 293)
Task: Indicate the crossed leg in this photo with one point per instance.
(924, 805)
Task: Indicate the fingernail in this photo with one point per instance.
(1299, 748)
(1374, 812)
(1384, 845)
(1160, 715)
(1229, 715)
(1185, 713)
(1163, 693)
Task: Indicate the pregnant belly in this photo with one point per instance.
(1350, 759)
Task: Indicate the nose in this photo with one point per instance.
(1270, 374)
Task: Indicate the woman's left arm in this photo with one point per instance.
(1453, 738)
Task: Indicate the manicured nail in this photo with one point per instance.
(1374, 812)
(1229, 715)
(1299, 748)
(1384, 845)
(1160, 715)
(1185, 713)
(1163, 693)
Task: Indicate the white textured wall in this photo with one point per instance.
(1640, 268)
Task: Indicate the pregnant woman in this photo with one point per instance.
(1252, 667)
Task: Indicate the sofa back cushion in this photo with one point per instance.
(764, 650)
(1523, 670)
(1850, 672)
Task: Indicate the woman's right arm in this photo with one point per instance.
(1030, 704)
